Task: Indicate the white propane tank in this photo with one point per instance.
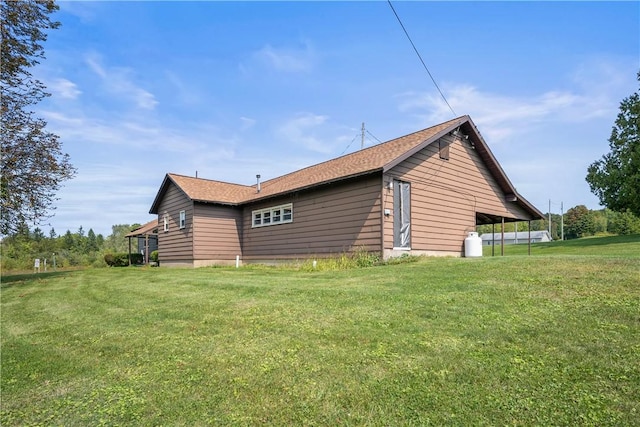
(473, 245)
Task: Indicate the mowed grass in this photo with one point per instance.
(611, 246)
(541, 340)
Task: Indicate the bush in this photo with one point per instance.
(122, 259)
(154, 256)
(109, 259)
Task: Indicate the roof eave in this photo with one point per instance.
(156, 201)
(163, 189)
(217, 202)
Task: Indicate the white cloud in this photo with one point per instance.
(286, 59)
(87, 11)
(197, 141)
(247, 123)
(64, 88)
(120, 81)
(303, 130)
(185, 92)
(501, 115)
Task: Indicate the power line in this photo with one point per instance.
(420, 57)
(354, 138)
(374, 137)
(363, 134)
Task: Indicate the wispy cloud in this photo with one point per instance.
(287, 59)
(120, 81)
(64, 88)
(184, 92)
(502, 115)
(303, 130)
(247, 123)
(196, 141)
(315, 133)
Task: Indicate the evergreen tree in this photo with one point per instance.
(68, 241)
(92, 241)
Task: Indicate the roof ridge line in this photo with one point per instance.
(360, 151)
(210, 180)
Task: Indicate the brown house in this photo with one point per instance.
(418, 194)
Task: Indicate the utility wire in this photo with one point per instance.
(420, 57)
(354, 138)
(374, 137)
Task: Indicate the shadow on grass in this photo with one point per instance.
(16, 279)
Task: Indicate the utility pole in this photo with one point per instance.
(362, 137)
(549, 217)
(561, 221)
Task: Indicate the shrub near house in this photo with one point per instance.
(122, 259)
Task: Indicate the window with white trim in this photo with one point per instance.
(165, 222)
(272, 216)
(183, 219)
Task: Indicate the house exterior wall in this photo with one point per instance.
(152, 242)
(327, 221)
(175, 247)
(217, 234)
(445, 196)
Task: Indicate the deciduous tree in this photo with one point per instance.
(615, 178)
(32, 163)
(579, 222)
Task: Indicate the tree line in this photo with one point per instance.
(34, 165)
(579, 221)
(88, 249)
(71, 249)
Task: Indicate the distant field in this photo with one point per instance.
(551, 339)
(618, 246)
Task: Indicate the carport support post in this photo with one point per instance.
(129, 251)
(146, 249)
(502, 239)
(529, 237)
(493, 239)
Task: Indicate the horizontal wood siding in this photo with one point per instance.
(445, 196)
(176, 245)
(328, 220)
(218, 230)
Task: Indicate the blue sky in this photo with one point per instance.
(233, 89)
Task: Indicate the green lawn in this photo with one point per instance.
(542, 340)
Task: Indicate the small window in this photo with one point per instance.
(165, 222)
(286, 214)
(272, 216)
(444, 149)
(183, 219)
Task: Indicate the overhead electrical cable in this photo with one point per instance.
(420, 57)
(354, 138)
(374, 137)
